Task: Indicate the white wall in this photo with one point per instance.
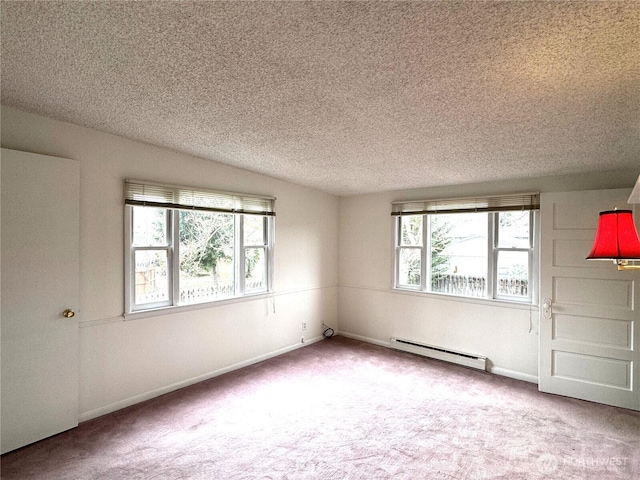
(122, 362)
(370, 309)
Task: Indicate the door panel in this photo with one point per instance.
(586, 292)
(592, 369)
(588, 338)
(594, 331)
(40, 279)
(570, 253)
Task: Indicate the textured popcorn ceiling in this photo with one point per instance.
(348, 97)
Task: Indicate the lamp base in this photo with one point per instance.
(625, 265)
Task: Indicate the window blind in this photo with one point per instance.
(186, 198)
(498, 203)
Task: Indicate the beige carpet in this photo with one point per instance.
(342, 409)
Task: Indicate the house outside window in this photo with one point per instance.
(186, 247)
(480, 247)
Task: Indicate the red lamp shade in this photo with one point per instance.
(617, 237)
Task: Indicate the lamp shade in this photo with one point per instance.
(616, 237)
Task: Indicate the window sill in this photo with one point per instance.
(155, 312)
(498, 302)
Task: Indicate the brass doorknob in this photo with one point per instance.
(68, 313)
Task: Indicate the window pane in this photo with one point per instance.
(254, 230)
(513, 229)
(151, 282)
(411, 230)
(149, 226)
(254, 272)
(409, 268)
(513, 273)
(206, 256)
(459, 253)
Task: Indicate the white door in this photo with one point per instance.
(589, 334)
(40, 270)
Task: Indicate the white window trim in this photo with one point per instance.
(241, 263)
(493, 249)
(172, 309)
(240, 205)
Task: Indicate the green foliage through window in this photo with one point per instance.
(191, 256)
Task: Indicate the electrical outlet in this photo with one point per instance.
(304, 326)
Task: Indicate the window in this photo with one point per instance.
(481, 247)
(186, 247)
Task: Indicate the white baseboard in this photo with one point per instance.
(364, 339)
(494, 370)
(98, 412)
(516, 375)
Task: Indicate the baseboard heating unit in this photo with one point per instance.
(461, 358)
